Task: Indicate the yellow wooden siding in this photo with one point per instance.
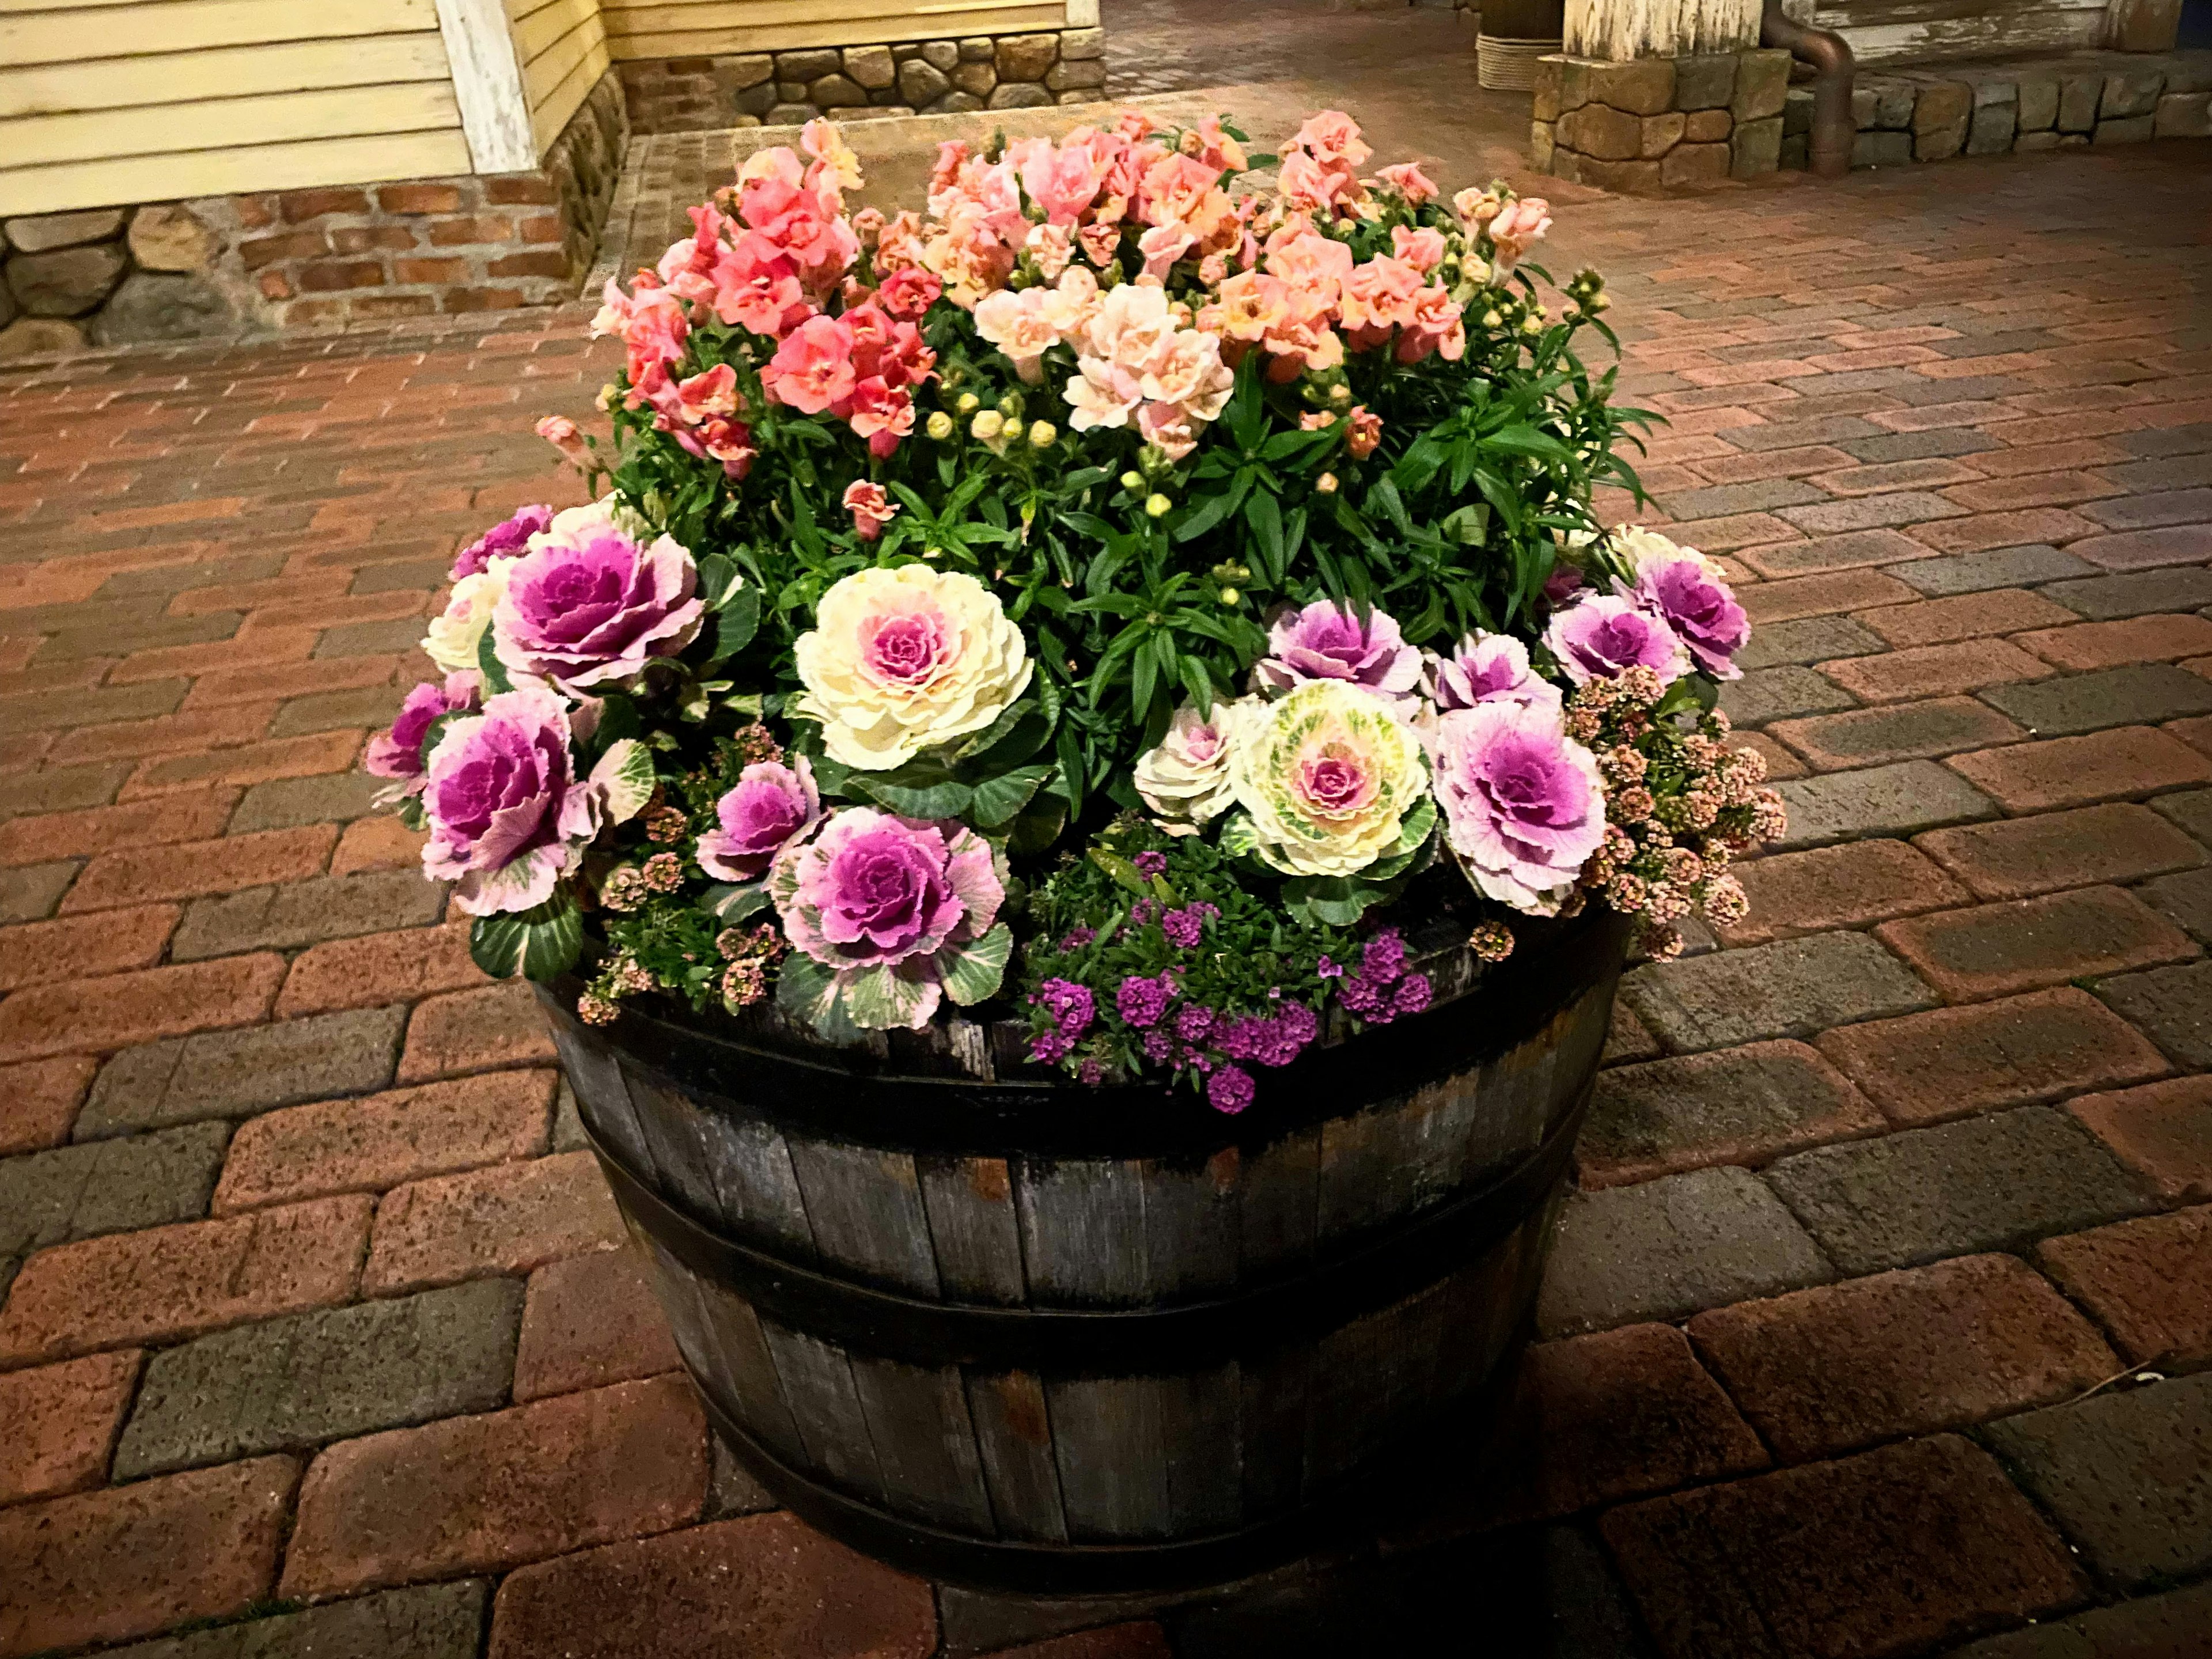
(110, 102)
(677, 28)
(562, 46)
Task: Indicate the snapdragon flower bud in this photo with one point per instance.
(969, 403)
(1158, 506)
(987, 425)
(1042, 434)
(1132, 480)
(939, 426)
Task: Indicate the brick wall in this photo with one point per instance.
(321, 259)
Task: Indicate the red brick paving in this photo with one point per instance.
(204, 537)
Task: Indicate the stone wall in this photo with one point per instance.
(2053, 103)
(928, 78)
(1657, 124)
(318, 258)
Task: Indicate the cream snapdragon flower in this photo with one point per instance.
(907, 660)
(1326, 778)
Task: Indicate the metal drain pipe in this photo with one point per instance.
(1834, 131)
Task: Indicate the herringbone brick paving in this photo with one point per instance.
(316, 1317)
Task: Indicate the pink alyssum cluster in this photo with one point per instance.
(1681, 805)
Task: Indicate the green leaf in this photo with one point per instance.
(805, 989)
(731, 903)
(973, 972)
(1335, 900)
(882, 998)
(737, 622)
(625, 778)
(1038, 826)
(719, 576)
(489, 665)
(1237, 839)
(997, 801)
(912, 793)
(1124, 873)
(1265, 516)
(983, 742)
(541, 943)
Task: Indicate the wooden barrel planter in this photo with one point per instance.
(992, 1326)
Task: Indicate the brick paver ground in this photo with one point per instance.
(314, 1329)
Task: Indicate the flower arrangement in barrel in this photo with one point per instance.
(1100, 599)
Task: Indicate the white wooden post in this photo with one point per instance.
(488, 85)
(1619, 30)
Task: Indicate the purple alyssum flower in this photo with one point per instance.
(1070, 1004)
(1229, 1089)
(1185, 927)
(1142, 1001)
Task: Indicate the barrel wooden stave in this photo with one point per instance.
(1107, 1460)
(1091, 1232)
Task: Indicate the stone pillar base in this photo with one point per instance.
(1654, 124)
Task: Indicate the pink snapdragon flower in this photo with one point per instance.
(1421, 248)
(1487, 668)
(651, 323)
(1327, 641)
(770, 807)
(813, 367)
(502, 541)
(1410, 181)
(1516, 228)
(1601, 636)
(589, 606)
(397, 753)
(507, 816)
(1523, 803)
(871, 509)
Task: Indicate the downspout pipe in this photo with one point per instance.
(1834, 131)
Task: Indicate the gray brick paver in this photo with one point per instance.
(1900, 800)
(239, 1073)
(1993, 1182)
(427, 1621)
(1792, 987)
(78, 1192)
(313, 1378)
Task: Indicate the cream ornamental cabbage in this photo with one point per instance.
(1185, 781)
(456, 634)
(1326, 777)
(907, 660)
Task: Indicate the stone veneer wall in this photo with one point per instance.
(927, 77)
(1657, 124)
(2053, 103)
(315, 258)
